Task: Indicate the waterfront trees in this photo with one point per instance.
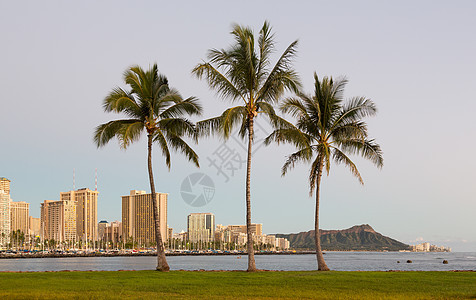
(150, 106)
(243, 75)
(327, 130)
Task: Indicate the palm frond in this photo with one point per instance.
(282, 77)
(231, 117)
(266, 47)
(301, 155)
(178, 144)
(132, 78)
(276, 121)
(289, 135)
(107, 131)
(189, 106)
(209, 126)
(294, 106)
(179, 127)
(160, 139)
(340, 158)
(130, 133)
(314, 173)
(368, 149)
(355, 109)
(218, 81)
(351, 130)
(120, 100)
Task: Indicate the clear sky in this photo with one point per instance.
(415, 59)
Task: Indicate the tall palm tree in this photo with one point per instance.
(242, 74)
(150, 106)
(327, 129)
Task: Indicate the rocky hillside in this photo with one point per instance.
(363, 238)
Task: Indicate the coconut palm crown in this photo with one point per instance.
(243, 75)
(327, 129)
(150, 106)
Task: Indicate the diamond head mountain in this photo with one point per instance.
(356, 238)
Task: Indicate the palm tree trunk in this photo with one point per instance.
(321, 264)
(251, 252)
(161, 260)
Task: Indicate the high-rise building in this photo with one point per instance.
(110, 232)
(282, 243)
(102, 229)
(201, 227)
(58, 220)
(86, 218)
(138, 217)
(20, 217)
(170, 233)
(4, 212)
(113, 232)
(5, 185)
(35, 227)
(256, 229)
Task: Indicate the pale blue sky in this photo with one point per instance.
(415, 59)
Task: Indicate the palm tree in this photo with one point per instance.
(242, 74)
(327, 129)
(151, 106)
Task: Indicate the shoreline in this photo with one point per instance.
(116, 254)
(98, 254)
(244, 271)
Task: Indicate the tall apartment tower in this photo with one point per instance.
(256, 229)
(138, 217)
(4, 212)
(201, 227)
(20, 217)
(58, 220)
(35, 227)
(86, 202)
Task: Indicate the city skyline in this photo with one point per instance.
(414, 60)
(59, 220)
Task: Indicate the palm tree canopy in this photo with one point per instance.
(243, 74)
(151, 106)
(327, 128)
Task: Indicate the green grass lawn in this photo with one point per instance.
(230, 285)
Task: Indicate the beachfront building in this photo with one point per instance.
(4, 212)
(35, 227)
(236, 235)
(201, 227)
(86, 202)
(282, 243)
(110, 232)
(271, 241)
(20, 217)
(170, 233)
(58, 220)
(138, 217)
(113, 232)
(256, 229)
(427, 247)
(5, 185)
(102, 229)
(180, 236)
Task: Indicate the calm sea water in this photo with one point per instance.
(339, 261)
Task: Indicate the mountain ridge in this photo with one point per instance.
(356, 238)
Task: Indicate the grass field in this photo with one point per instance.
(231, 285)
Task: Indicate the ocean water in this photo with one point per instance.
(339, 261)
